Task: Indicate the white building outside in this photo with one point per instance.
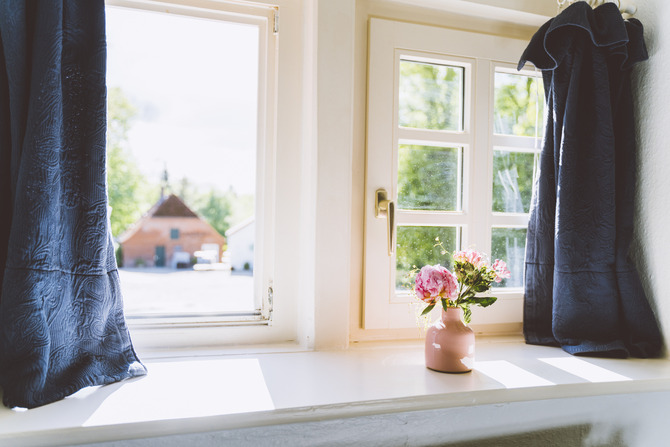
(240, 240)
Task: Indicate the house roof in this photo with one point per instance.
(170, 206)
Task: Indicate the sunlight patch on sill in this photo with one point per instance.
(510, 375)
(223, 386)
(584, 369)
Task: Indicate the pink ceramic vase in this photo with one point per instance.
(450, 343)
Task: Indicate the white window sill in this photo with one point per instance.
(240, 391)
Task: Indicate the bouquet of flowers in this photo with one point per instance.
(472, 275)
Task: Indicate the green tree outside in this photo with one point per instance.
(222, 210)
(416, 247)
(431, 96)
(519, 111)
(216, 208)
(519, 105)
(129, 192)
(428, 177)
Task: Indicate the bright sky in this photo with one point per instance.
(194, 84)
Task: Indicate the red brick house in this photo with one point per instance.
(168, 235)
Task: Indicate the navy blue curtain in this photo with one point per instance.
(582, 291)
(62, 325)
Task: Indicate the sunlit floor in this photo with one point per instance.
(169, 291)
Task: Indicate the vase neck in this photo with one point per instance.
(452, 314)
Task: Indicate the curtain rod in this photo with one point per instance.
(625, 9)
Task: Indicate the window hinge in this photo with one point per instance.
(275, 26)
(269, 305)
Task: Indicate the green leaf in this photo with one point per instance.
(483, 301)
(444, 304)
(481, 287)
(428, 309)
(468, 295)
(467, 314)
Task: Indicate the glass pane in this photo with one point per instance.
(416, 248)
(509, 244)
(431, 96)
(182, 150)
(516, 105)
(429, 178)
(513, 174)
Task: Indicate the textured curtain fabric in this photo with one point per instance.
(582, 292)
(62, 326)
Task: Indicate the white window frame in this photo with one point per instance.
(481, 55)
(274, 321)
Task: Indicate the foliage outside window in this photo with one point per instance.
(430, 178)
(431, 96)
(519, 105)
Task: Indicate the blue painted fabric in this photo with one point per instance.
(62, 325)
(582, 291)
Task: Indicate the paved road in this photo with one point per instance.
(164, 290)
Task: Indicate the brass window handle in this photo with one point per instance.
(386, 208)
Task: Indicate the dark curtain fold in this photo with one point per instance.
(62, 326)
(582, 291)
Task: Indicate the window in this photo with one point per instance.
(453, 141)
(518, 110)
(192, 104)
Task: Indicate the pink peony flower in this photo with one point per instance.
(501, 271)
(433, 282)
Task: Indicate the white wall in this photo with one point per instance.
(650, 83)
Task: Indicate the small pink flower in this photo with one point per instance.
(433, 282)
(461, 256)
(472, 257)
(501, 271)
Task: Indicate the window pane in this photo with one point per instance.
(516, 110)
(182, 151)
(513, 174)
(429, 178)
(509, 244)
(431, 96)
(416, 248)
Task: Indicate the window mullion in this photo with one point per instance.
(480, 199)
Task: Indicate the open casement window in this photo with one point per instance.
(197, 85)
(452, 147)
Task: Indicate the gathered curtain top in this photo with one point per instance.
(605, 28)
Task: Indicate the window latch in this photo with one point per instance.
(386, 208)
